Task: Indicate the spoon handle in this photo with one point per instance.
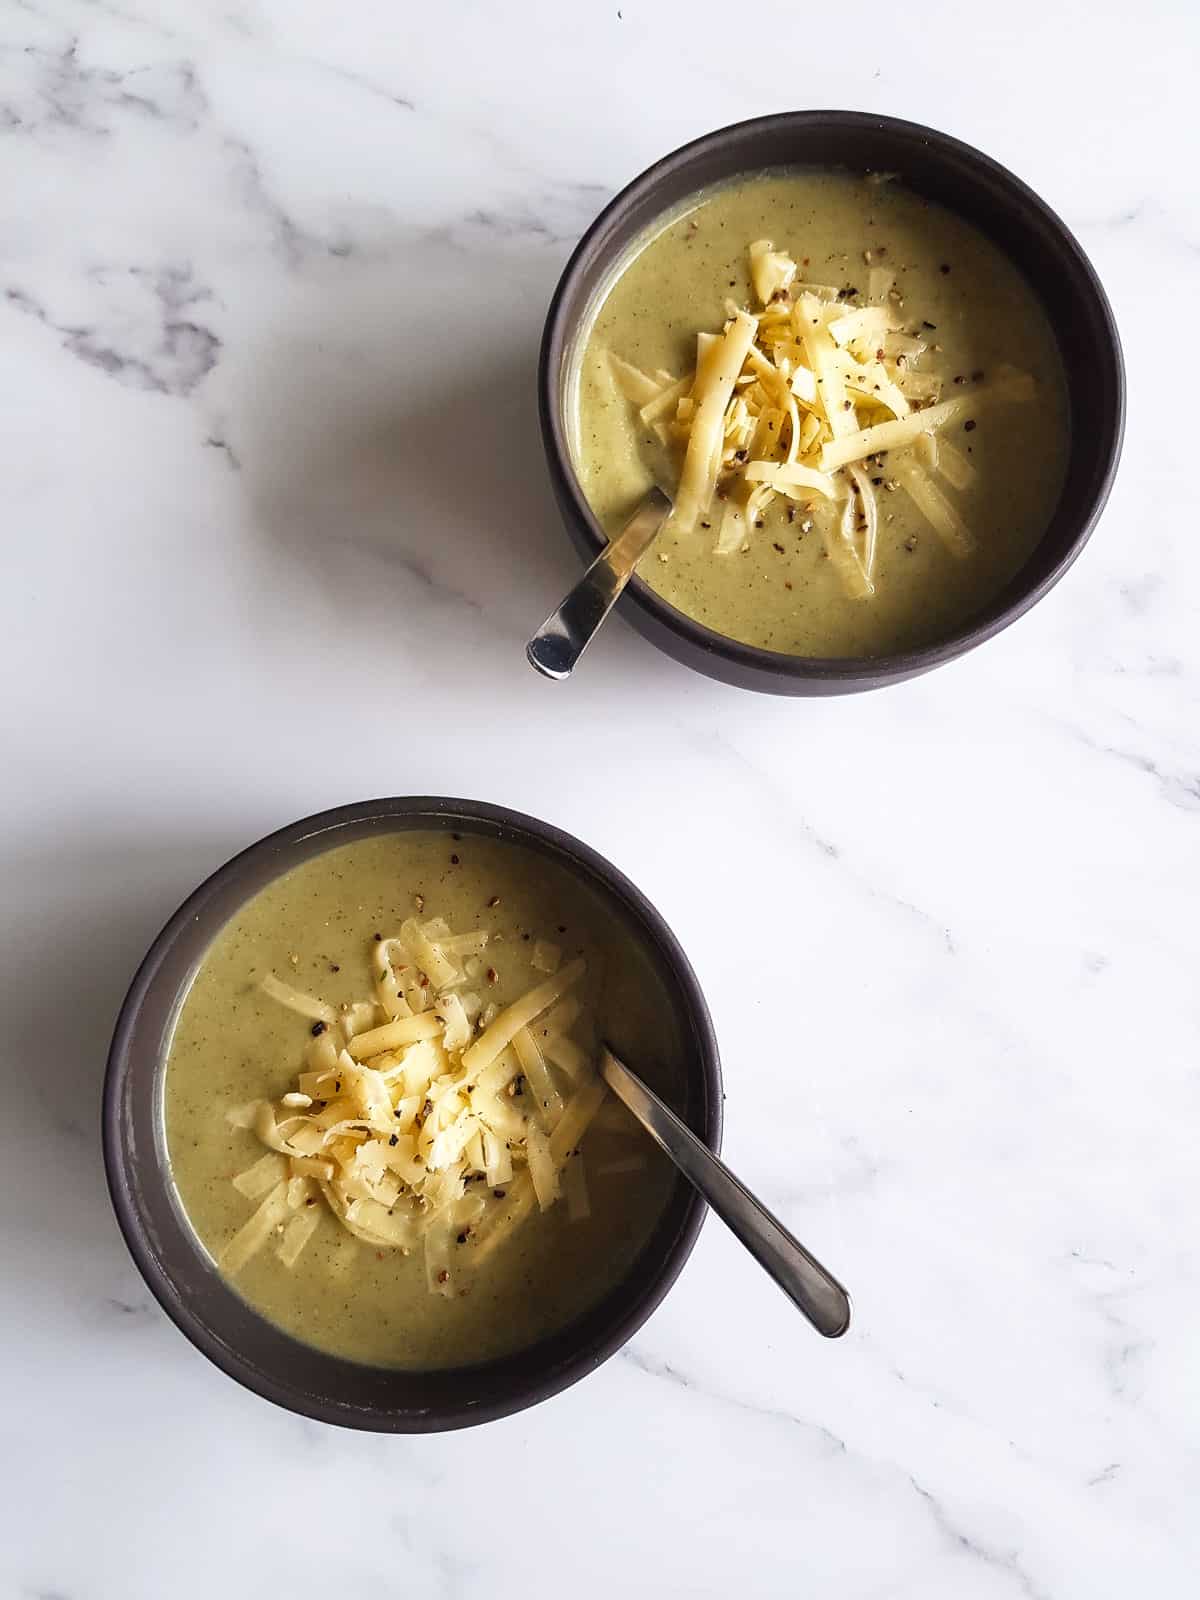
(816, 1292)
(567, 632)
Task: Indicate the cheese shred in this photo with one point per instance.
(442, 1128)
(802, 398)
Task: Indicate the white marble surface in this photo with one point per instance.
(248, 251)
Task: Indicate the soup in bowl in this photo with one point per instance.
(354, 1131)
(872, 371)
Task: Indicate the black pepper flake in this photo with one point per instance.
(968, 427)
(791, 513)
(494, 901)
(932, 326)
(462, 1238)
(453, 861)
(443, 1276)
(457, 837)
(499, 1193)
(333, 967)
(706, 524)
(395, 1138)
(318, 1028)
(378, 938)
(944, 268)
(562, 927)
(778, 547)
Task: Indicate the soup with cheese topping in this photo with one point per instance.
(854, 399)
(382, 1111)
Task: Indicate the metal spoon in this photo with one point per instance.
(816, 1292)
(567, 632)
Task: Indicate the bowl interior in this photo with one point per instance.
(941, 169)
(182, 1275)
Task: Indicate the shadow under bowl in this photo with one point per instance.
(182, 1276)
(964, 181)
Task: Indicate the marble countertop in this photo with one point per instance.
(248, 251)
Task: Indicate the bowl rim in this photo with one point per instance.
(753, 660)
(438, 813)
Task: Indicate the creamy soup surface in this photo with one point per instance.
(954, 288)
(232, 1043)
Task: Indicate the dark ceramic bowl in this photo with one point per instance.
(966, 182)
(183, 1278)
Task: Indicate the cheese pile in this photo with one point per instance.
(423, 1116)
(803, 398)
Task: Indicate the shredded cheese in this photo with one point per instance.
(252, 1235)
(711, 392)
(296, 1000)
(407, 1030)
(953, 465)
(296, 1235)
(870, 512)
(792, 398)
(542, 1170)
(517, 1016)
(262, 1176)
(903, 432)
(772, 270)
(546, 957)
(930, 500)
(439, 1128)
(546, 1098)
(869, 322)
(634, 384)
(793, 476)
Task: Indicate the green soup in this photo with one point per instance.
(781, 592)
(231, 1043)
